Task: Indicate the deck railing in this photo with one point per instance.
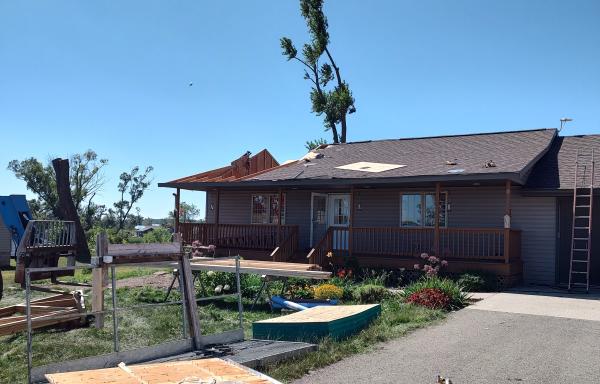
(243, 236)
(286, 249)
(467, 244)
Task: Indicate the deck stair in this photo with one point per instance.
(581, 232)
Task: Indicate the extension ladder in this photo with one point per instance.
(581, 231)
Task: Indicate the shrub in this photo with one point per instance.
(431, 265)
(458, 297)
(158, 235)
(370, 293)
(346, 284)
(328, 291)
(477, 282)
(430, 297)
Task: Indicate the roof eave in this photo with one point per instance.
(503, 176)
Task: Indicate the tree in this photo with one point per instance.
(313, 144)
(187, 212)
(134, 184)
(85, 180)
(335, 104)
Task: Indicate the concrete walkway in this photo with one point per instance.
(521, 337)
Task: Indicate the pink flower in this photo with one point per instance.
(417, 266)
(444, 263)
(424, 256)
(432, 259)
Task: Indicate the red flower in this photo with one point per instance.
(430, 297)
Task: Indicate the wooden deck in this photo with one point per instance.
(193, 371)
(269, 268)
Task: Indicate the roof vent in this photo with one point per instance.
(366, 166)
(455, 171)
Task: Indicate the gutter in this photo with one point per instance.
(474, 177)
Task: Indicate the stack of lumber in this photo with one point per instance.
(195, 371)
(63, 309)
(312, 324)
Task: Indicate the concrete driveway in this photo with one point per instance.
(515, 337)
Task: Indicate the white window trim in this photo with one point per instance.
(269, 195)
(423, 212)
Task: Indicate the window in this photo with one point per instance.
(341, 211)
(265, 209)
(418, 209)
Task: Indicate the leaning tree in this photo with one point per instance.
(333, 102)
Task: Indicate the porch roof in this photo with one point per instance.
(484, 157)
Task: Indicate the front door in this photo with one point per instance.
(318, 214)
(339, 219)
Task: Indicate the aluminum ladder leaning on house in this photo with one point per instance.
(581, 231)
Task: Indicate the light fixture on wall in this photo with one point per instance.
(212, 207)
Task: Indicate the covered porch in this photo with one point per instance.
(312, 224)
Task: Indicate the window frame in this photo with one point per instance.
(423, 211)
(268, 214)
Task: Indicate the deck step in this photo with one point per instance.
(579, 261)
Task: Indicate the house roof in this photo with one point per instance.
(239, 168)
(556, 170)
(484, 156)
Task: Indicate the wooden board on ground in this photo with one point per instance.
(337, 321)
(61, 309)
(166, 373)
(269, 268)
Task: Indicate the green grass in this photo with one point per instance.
(396, 320)
(150, 326)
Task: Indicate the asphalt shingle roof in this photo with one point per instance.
(556, 170)
(511, 152)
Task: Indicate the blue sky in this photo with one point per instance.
(113, 76)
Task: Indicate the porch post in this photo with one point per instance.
(507, 221)
(176, 213)
(351, 224)
(437, 220)
(279, 219)
(216, 226)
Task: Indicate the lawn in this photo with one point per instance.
(149, 326)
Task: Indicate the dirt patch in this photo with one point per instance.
(158, 279)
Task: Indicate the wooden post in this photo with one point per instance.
(99, 279)
(507, 221)
(190, 299)
(216, 235)
(436, 224)
(351, 224)
(177, 209)
(279, 219)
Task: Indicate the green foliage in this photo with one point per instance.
(134, 184)
(328, 291)
(86, 179)
(335, 103)
(478, 282)
(370, 293)
(347, 286)
(158, 235)
(314, 144)
(458, 297)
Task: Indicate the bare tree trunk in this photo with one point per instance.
(66, 207)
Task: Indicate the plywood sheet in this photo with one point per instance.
(321, 314)
(166, 373)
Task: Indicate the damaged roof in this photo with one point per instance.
(556, 170)
(484, 156)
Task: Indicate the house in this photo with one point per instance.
(5, 244)
(503, 203)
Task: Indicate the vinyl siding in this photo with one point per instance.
(5, 245)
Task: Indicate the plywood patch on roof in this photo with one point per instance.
(366, 166)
